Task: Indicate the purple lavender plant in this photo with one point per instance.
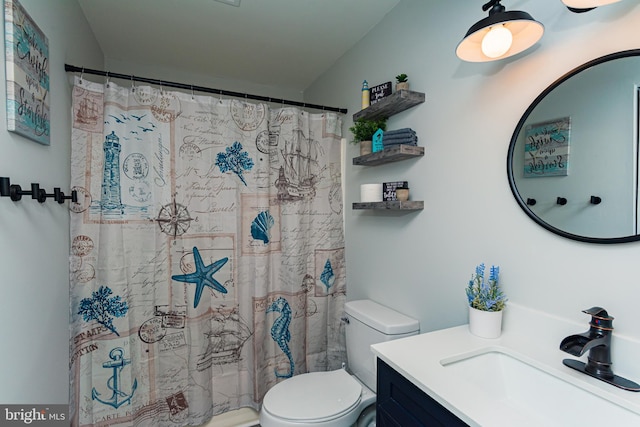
(485, 295)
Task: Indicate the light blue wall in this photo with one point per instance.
(470, 215)
(34, 238)
(419, 263)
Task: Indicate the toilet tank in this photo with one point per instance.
(371, 323)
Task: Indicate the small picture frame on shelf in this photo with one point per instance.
(379, 92)
(389, 189)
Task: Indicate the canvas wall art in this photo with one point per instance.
(27, 74)
(546, 150)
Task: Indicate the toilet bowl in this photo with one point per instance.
(327, 399)
(337, 398)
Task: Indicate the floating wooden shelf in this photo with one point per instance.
(393, 104)
(396, 205)
(390, 154)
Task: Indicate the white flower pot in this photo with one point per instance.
(485, 324)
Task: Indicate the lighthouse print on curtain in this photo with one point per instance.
(207, 255)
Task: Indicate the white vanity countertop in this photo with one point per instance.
(528, 335)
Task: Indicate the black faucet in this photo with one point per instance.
(598, 341)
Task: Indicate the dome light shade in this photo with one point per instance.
(587, 4)
(525, 32)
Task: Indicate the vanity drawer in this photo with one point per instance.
(402, 404)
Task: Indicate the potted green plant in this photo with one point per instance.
(402, 82)
(486, 303)
(363, 131)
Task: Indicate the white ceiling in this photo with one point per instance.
(281, 43)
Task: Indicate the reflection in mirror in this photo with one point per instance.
(577, 144)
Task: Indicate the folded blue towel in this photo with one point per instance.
(400, 140)
(399, 135)
(403, 130)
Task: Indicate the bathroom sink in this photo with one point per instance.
(517, 390)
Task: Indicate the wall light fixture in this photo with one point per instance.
(500, 35)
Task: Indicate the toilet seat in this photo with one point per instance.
(314, 397)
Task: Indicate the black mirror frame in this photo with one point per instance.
(514, 138)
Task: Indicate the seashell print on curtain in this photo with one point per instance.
(207, 255)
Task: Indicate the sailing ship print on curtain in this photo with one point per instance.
(207, 255)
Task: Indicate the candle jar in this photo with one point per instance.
(402, 194)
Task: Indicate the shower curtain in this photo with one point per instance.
(207, 253)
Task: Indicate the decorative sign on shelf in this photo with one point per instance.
(376, 141)
(389, 189)
(27, 73)
(379, 92)
(546, 149)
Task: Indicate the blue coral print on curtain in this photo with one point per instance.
(102, 308)
(234, 160)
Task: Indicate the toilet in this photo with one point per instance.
(337, 398)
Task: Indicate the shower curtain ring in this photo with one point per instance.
(192, 95)
(81, 74)
(108, 79)
(133, 85)
(220, 97)
(161, 90)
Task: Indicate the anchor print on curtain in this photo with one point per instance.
(207, 255)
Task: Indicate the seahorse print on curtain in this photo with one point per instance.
(207, 253)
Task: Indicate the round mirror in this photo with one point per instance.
(573, 159)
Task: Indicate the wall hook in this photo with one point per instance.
(5, 185)
(531, 202)
(59, 196)
(38, 193)
(561, 201)
(595, 200)
(16, 192)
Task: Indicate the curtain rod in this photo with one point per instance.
(108, 74)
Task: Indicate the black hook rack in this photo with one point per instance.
(561, 201)
(15, 192)
(59, 196)
(595, 200)
(531, 202)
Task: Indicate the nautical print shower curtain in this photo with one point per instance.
(207, 253)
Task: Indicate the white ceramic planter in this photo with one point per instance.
(485, 324)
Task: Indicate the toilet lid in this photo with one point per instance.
(316, 396)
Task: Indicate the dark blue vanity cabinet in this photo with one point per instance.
(402, 404)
